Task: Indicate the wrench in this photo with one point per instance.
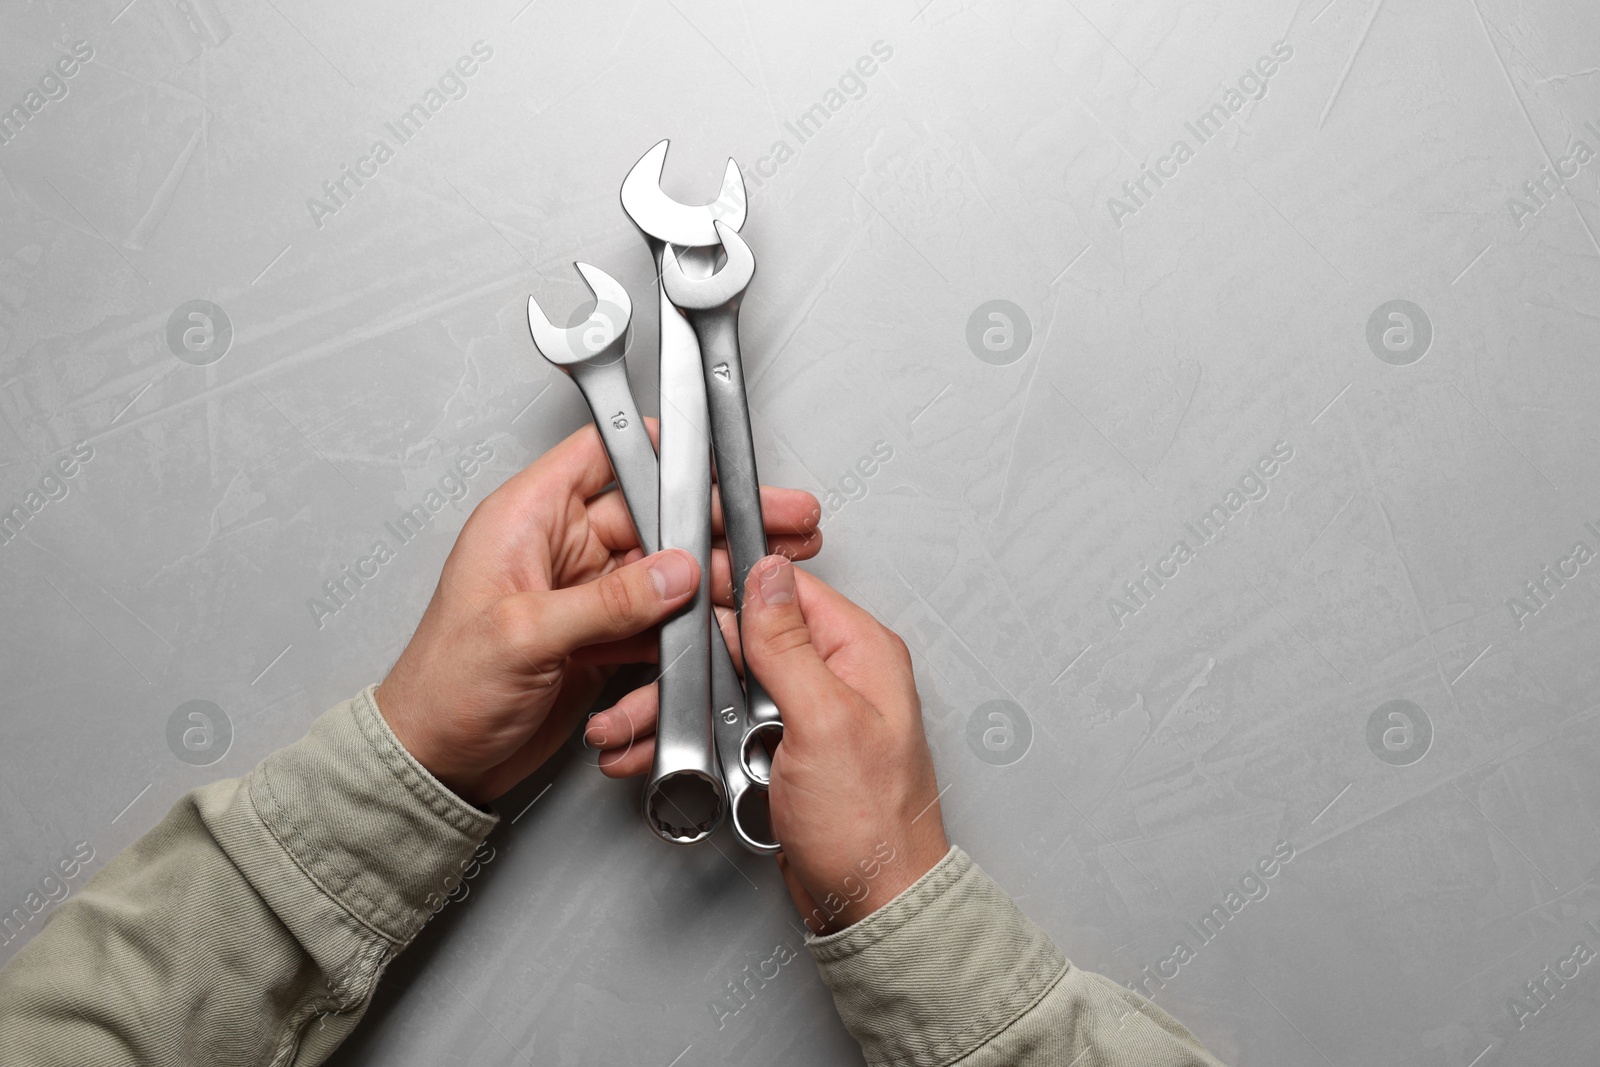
(712, 306)
(592, 354)
(685, 502)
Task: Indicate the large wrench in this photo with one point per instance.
(592, 354)
(712, 306)
(685, 498)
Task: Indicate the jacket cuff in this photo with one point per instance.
(939, 970)
(364, 821)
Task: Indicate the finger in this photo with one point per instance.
(863, 653)
(790, 546)
(624, 733)
(578, 465)
(795, 546)
(624, 722)
(523, 513)
(611, 522)
(619, 604)
(777, 640)
(836, 621)
(640, 648)
(783, 511)
(645, 647)
(630, 762)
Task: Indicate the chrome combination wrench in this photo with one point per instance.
(593, 355)
(711, 303)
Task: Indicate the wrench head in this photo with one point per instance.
(750, 816)
(723, 287)
(685, 807)
(598, 340)
(660, 217)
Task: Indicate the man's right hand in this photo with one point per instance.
(854, 800)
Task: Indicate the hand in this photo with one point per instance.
(545, 587)
(854, 801)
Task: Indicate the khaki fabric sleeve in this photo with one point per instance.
(951, 972)
(251, 925)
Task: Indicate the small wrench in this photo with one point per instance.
(592, 354)
(712, 306)
(685, 499)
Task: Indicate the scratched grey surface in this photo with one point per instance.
(1156, 742)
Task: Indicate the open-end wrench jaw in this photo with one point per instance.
(725, 288)
(663, 219)
(600, 339)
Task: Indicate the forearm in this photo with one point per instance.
(951, 971)
(252, 923)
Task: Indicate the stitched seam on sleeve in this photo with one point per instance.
(288, 839)
(341, 996)
(854, 940)
(356, 980)
(977, 1032)
(1050, 987)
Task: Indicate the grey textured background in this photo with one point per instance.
(1171, 747)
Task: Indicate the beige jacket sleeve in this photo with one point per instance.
(251, 925)
(951, 972)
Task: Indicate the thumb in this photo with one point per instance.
(776, 639)
(625, 602)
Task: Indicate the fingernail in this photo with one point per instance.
(776, 579)
(673, 574)
(594, 737)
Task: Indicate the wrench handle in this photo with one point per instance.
(686, 762)
(738, 481)
(627, 445)
(731, 438)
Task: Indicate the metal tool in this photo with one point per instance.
(592, 354)
(711, 304)
(683, 745)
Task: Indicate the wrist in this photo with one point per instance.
(411, 730)
(894, 864)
